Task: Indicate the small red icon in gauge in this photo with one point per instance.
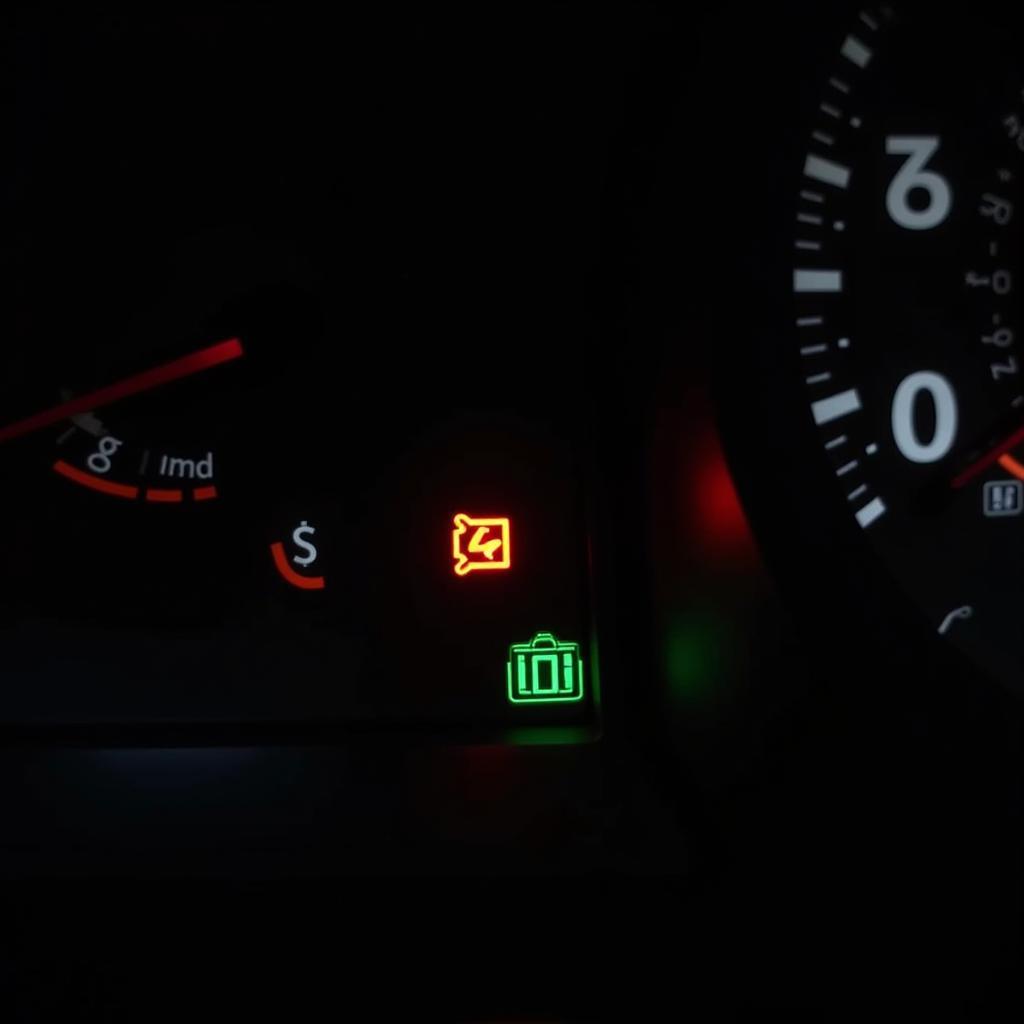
(302, 539)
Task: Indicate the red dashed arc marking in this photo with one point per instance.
(167, 496)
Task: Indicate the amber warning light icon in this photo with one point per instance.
(480, 543)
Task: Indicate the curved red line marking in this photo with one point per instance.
(94, 482)
(302, 582)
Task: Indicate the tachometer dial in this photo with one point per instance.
(906, 282)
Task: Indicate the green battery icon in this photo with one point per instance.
(544, 671)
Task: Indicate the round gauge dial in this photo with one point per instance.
(906, 283)
(135, 451)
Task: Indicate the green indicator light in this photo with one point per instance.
(544, 671)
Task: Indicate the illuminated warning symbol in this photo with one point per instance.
(544, 671)
(480, 544)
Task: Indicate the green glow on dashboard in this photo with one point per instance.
(696, 646)
(552, 736)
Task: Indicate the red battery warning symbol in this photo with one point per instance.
(480, 543)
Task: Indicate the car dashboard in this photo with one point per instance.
(511, 514)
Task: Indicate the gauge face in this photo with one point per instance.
(290, 415)
(906, 283)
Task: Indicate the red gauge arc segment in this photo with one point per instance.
(95, 483)
(290, 575)
(167, 496)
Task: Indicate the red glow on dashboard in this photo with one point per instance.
(718, 515)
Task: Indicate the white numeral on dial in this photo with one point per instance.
(904, 404)
(918, 149)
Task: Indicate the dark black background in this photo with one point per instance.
(832, 823)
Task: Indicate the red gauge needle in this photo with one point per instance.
(186, 366)
(993, 455)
